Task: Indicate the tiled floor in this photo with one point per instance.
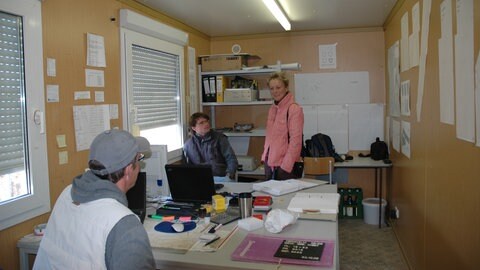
(364, 246)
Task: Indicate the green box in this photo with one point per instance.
(350, 203)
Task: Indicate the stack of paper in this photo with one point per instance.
(277, 188)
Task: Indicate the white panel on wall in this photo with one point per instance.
(332, 88)
(365, 123)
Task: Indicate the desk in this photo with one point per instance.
(368, 163)
(220, 259)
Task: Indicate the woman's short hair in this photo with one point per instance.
(279, 76)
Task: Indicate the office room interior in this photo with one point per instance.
(435, 186)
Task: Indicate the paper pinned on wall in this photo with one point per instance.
(95, 51)
(327, 56)
(89, 121)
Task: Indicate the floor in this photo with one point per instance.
(364, 246)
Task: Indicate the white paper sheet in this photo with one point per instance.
(464, 72)
(89, 121)
(95, 51)
(405, 138)
(405, 98)
(445, 65)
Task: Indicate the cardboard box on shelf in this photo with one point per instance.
(222, 62)
(240, 95)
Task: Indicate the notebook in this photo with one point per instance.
(190, 183)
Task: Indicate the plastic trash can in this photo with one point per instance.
(370, 210)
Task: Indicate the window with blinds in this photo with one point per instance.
(24, 182)
(154, 90)
(155, 79)
(13, 141)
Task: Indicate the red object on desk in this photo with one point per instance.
(263, 203)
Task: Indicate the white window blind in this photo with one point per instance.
(12, 95)
(155, 83)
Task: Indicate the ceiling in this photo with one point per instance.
(218, 18)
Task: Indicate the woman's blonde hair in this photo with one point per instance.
(279, 76)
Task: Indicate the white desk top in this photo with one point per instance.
(362, 162)
(327, 230)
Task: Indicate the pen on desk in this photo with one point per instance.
(211, 241)
(155, 216)
(170, 207)
(214, 229)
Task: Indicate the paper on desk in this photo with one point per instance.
(224, 235)
(325, 203)
(277, 188)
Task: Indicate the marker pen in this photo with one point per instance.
(155, 216)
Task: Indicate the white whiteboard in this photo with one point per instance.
(327, 119)
(332, 88)
(365, 123)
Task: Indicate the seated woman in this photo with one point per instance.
(206, 146)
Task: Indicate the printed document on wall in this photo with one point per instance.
(405, 98)
(396, 134)
(445, 64)
(394, 79)
(405, 138)
(404, 54)
(89, 121)
(464, 72)
(327, 56)
(414, 39)
(427, 6)
(95, 51)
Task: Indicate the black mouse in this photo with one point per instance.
(387, 161)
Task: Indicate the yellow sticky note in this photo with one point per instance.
(61, 141)
(62, 157)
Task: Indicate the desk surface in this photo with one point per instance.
(362, 162)
(314, 229)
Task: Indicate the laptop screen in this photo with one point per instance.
(190, 183)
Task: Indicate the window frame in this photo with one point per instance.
(37, 202)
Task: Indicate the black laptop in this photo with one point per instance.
(137, 197)
(190, 183)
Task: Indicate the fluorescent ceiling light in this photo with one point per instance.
(278, 13)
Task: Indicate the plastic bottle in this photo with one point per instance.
(349, 206)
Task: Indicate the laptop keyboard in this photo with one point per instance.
(232, 214)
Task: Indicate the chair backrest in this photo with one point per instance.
(314, 166)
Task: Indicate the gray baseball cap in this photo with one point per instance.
(115, 149)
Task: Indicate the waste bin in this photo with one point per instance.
(370, 210)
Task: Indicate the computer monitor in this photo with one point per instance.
(137, 196)
(190, 183)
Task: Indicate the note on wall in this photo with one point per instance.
(332, 88)
(89, 121)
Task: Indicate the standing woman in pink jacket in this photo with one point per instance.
(283, 140)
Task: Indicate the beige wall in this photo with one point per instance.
(436, 189)
(357, 50)
(65, 24)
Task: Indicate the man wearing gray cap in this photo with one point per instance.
(91, 226)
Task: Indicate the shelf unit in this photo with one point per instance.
(248, 72)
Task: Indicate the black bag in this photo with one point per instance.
(379, 150)
(297, 170)
(320, 145)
